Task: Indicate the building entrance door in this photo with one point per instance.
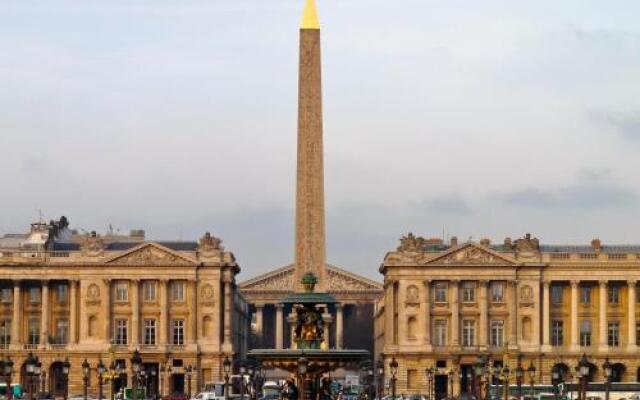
(177, 383)
(441, 387)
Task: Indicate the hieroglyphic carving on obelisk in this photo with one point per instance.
(310, 227)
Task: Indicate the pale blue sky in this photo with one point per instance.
(472, 118)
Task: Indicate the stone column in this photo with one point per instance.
(279, 326)
(427, 313)
(546, 316)
(631, 313)
(512, 287)
(135, 311)
(164, 311)
(228, 307)
(16, 322)
(291, 320)
(574, 316)
(484, 314)
(193, 312)
(73, 311)
(259, 324)
(106, 310)
(602, 338)
(455, 313)
(339, 326)
(44, 319)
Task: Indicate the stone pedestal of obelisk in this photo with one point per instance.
(310, 227)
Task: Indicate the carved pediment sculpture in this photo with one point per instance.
(209, 243)
(411, 243)
(92, 245)
(471, 254)
(527, 247)
(151, 254)
(343, 282)
(282, 281)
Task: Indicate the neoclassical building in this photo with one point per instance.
(445, 304)
(100, 297)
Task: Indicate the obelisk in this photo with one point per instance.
(310, 228)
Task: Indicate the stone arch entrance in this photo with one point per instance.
(617, 372)
(57, 379)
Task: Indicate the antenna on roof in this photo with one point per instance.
(40, 219)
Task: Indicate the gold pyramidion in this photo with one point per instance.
(310, 16)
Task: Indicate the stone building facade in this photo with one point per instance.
(545, 305)
(100, 297)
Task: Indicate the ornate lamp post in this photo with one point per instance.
(607, 370)
(479, 372)
(161, 379)
(188, 371)
(505, 375)
(86, 370)
(243, 384)
(532, 376)
(303, 365)
(226, 366)
(430, 375)
(154, 375)
(30, 367)
(37, 373)
(452, 374)
(583, 373)
(380, 377)
(101, 370)
(136, 364)
(556, 379)
(393, 367)
(6, 370)
(66, 366)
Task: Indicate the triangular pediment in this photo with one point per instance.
(338, 280)
(472, 254)
(150, 254)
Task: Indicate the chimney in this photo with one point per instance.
(596, 245)
(454, 241)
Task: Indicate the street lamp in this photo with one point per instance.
(66, 366)
(303, 365)
(519, 377)
(136, 364)
(393, 367)
(37, 373)
(30, 367)
(607, 369)
(380, 381)
(556, 379)
(451, 374)
(86, 370)
(583, 367)
(101, 370)
(430, 373)
(506, 374)
(532, 376)
(6, 367)
(188, 372)
(154, 374)
(226, 366)
(243, 385)
(479, 371)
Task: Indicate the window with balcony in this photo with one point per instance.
(5, 332)
(150, 331)
(440, 332)
(468, 332)
(557, 333)
(122, 290)
(497, 333)
(62, 332)
(468, 292)
(613, 334)
(585, 295)
(177, 330)
(177, 291)
(497, 292)
(440, 292)
(556, 294)
(149, 290)
(121, 332)
(585, 333)
(62, 293)
(33, 333)
(613, 294)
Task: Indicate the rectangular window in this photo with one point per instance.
(613, 294)
(497, 333)
(6, 295)
(614, 334)
(468, 292)
(150, 331)
(34, 295)
(585, 333)
(34, 331)
(5, 332)
(585, 294)
(440, 332)
(121, 332)
(497, 291)
(177, 330)
(556, 294)
(557, 333)
(149, 290)
(122, 291)
(63, 293)
(177, 291)
(468, 332)
(62, 329)
(440, 292)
